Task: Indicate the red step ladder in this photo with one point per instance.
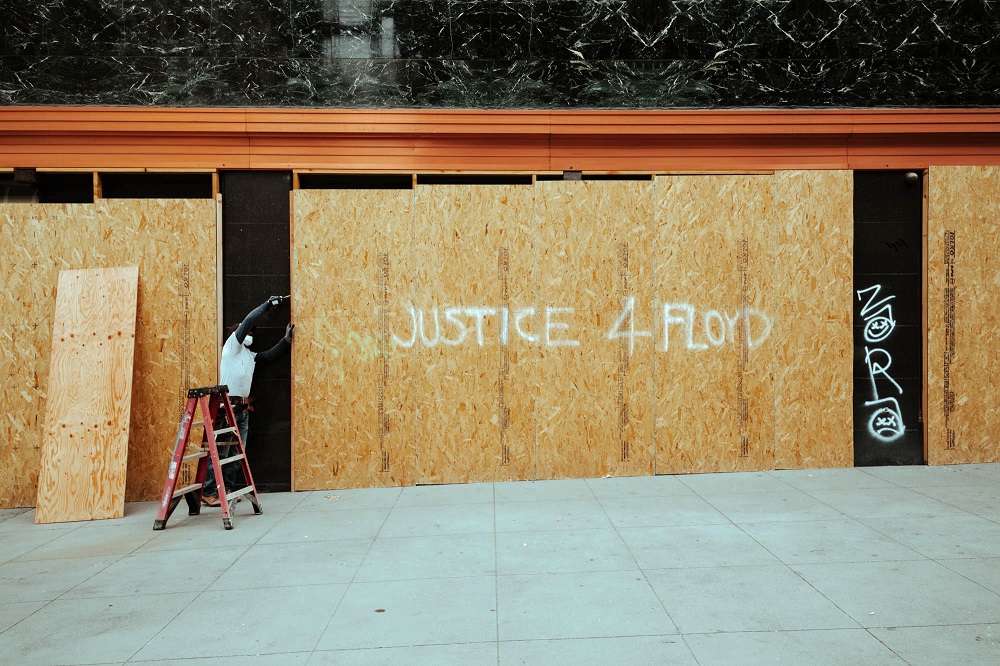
(210, 399)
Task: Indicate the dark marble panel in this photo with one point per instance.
(262, 28)
(167, 28)
(22, 29)
(453, 83)
(81, 27)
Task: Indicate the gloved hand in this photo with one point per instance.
(288, 332)
(275, 301)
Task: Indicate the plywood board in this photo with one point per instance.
(593, 248)
(813, 319)
(474, 258)
(173, 243)
(352, 287)
(714, 345)
(85, 437)
(963, 299)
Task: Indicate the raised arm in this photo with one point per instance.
(278, 349)
(250, 321)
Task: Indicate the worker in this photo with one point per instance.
(236, 371)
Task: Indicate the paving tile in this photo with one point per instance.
(578, 514)
(982, 570)
(404, 558)
(633, 650)
(435, 520)
(982, 500)
(751, 598)
(850, 478)
(349, 499)
(579, 605)
(11, 614)
(541, 491)
(562, 551)
(458, 493)
(326, 526)
(945, 645)
(44, 580)
(90, 630)
(788, 505)
(207, 531)
(893, 594)
(260, 621)
(832, 647)
(725, 483)
(985, 470)
(884, 503)
(827, 541)
(639, 486)
(22, 520)
(925, 476)
(292, 564)
(93, 540)
(940, 537)
(659, 511)
(456, 654)
(159, 572)
(414, 612)
(278, 659)
(686, 546)
(16, 544)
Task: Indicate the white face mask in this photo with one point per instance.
(247, 341)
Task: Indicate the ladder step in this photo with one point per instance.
(195, 456)
(197, 424)
(186, 489)
(225, 461)
(224, 431)
(239, 493)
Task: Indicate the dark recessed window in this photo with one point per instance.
(345, 181)
(156, 185)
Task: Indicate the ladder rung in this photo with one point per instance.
(226, 461)
(195, 456)
(223, 431)
(186, 489)
(197, 424)
(239, 493)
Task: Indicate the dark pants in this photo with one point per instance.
(232, 474)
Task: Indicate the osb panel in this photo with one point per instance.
(85, 436)
(963, 299)
(714, 345)
(594, 249)
(170, 358)
(474, 258)
(173, 243)
(814, 277)
(352, 287)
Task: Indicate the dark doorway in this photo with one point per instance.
(256, 264)
(888, 306)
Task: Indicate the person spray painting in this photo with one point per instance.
(236, 371)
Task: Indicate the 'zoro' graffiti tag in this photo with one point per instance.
(885, 422)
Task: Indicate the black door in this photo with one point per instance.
(888, 332)
(256, 264)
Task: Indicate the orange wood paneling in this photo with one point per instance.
(483, 140)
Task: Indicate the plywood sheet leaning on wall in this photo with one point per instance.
(963, 302)
(474, 256)
(714, 337)
(85, 437)
(814, 343)
(594, 245)
(173, 243)
(352, 286)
